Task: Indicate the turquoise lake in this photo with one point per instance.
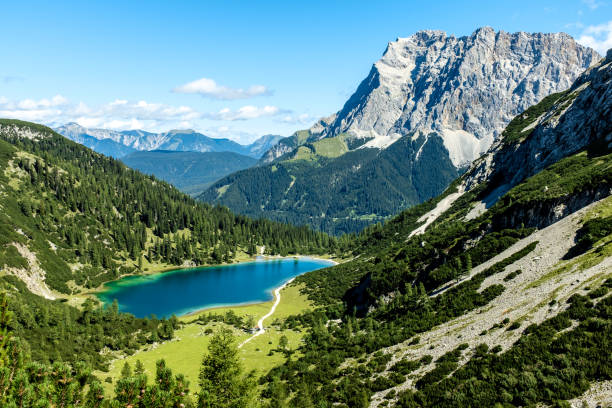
(186, 290)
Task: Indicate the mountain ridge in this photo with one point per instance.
(119, 143)
(434, 67)
(429, 106)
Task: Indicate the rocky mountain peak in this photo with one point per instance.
(462, 89)
(424, 38)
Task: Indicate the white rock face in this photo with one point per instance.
(137, 139)
(581, 118)
(465, 89)
(21, 132)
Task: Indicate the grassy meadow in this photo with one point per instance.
(184, 353)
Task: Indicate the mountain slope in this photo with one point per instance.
(190, 140)
(120, 143)
(502, 299)
(261, 145)
(107, 147)
(337, 194)
(72, 219)
(430, 106)
(190, 172)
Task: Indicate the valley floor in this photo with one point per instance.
(185, 351)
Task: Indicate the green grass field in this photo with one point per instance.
(329, 147)
(184, 353)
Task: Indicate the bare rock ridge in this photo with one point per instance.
(574, 119)
(463, 89)
(121, 143)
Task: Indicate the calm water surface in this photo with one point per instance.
(186, 290)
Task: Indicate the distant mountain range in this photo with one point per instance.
(187, 159)
(431, 105)
(191, 172)
(121, 143)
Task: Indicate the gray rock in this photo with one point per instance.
(580, 117)
(465, 89)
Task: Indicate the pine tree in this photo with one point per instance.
(278, 394)
(303, 398)
(283, 342)
(126, 371)
(139, 368)
(222, 382)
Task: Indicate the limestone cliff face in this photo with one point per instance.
(570, 121)
(428, 109)
(464, 89)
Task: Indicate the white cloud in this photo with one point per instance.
(32, 110)
(246, 112)
(122, 114)
(598, 37)
(302, 119)
(592, 4)
(229, 132)
(209, 88)
(123, 124)
(119, 114)
(31, 104)
(89, 122)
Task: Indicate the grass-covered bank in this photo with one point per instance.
(185, 351)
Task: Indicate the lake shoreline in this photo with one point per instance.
(213, 301)
(281, 287)
(102, 287)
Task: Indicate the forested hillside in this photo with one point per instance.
(335, 190)
(492, 293)
(72, 219)
(190, 172)
(85, 218)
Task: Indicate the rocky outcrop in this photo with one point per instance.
(465, 89)
(14, 130)
(578, 118)
(33, 276)
(547, 212)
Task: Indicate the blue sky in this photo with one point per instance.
(229, 68)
